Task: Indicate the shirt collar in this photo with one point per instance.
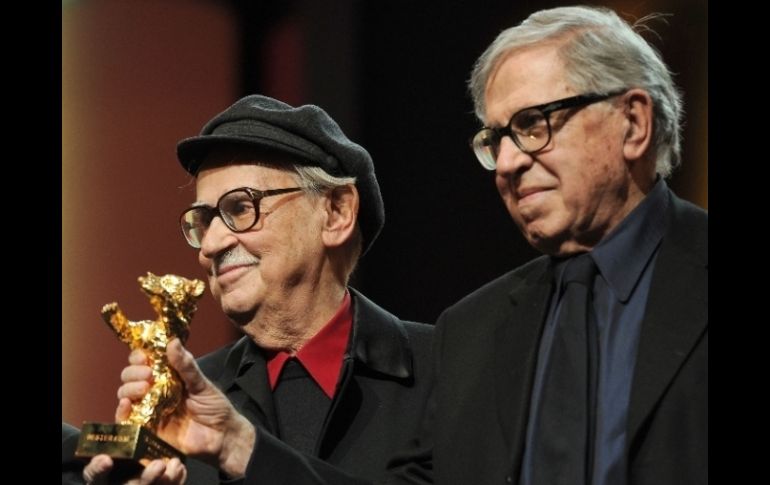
(323, 354)
(624, 253)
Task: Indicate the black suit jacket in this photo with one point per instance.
(486, 351)
(384, 385)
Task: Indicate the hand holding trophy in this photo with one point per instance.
(174, 299)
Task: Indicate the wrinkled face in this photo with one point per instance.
(262, 267)
(571, 193)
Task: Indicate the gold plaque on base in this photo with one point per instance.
(124, 441)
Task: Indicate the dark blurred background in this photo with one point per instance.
(139, 75)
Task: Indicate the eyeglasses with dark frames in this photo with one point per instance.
(529, 128)
(238, 209)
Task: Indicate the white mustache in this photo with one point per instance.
(234, 257)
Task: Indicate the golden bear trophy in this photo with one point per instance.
(134, 440)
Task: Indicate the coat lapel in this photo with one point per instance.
(244, 380)
(378, 343)
(516, 344)
(676, 315)
(259, 407)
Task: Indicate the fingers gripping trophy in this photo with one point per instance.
(174, 299)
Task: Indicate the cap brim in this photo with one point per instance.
(192, 152)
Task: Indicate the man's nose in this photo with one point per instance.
(511, 160)
(217, 238)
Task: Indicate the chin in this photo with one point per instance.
(547, 243)
(234, 304)
(240, 319)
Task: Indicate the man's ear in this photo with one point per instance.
(341, 214)
(638, 113)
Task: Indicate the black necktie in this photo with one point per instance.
(563, 445)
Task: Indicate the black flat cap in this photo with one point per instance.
(307, 134)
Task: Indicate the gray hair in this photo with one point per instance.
(317, 182)
(602, 53)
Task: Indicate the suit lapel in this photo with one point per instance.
(378, 343)
(244, 380)
(675, 318)
(516, 344)
(259, 408)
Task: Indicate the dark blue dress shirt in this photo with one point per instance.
(626, 259)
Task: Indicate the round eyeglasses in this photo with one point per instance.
(529, 128)
(238, 209)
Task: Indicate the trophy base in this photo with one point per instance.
(124, 442)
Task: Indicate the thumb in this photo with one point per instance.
(184, 363)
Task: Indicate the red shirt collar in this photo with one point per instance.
(322, 355)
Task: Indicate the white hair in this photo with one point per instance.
(601, 53)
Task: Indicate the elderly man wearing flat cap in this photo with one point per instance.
(286, 204)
